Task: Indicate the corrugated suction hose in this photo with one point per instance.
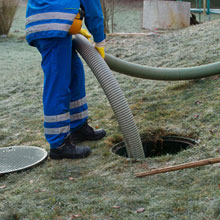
(155, 73)
(114, 94)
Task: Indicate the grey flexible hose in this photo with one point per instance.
(154, 73)
(114, 94)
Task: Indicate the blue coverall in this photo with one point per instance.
(64, 97)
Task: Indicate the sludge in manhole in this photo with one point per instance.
(159, 147)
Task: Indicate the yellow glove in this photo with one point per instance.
(85, 33)
(100, 47)
(101, 51)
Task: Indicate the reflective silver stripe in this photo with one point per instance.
(57, 118)
(78, 103)
(60, 130)
(48, 27)
(49, 16)
(78, 116)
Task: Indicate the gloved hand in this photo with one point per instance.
(85, 33)
(100, 47)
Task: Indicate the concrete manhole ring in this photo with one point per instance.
(162, 146)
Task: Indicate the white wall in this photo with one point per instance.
(166, 14)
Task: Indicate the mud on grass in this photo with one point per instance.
(103, 186)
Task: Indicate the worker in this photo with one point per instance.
(49, 27)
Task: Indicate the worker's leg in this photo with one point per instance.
(56, 64)
(78, 104)
(80, 130)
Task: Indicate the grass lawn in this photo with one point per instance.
(103, 186)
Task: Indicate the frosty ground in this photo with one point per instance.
(103, 186)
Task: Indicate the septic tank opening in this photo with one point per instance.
(161, 146)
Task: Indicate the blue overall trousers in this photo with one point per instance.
(64, 96)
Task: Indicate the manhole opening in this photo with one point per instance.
(159, 147)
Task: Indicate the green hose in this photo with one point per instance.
(168, 74)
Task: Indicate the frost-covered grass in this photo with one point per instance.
(103, 186)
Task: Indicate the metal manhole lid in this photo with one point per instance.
(16, 158)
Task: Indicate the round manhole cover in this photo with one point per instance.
(16, 158)
(159, 147)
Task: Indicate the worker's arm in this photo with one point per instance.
(94, 19)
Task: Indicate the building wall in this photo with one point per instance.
(165, 14)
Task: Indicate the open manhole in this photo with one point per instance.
(16, 158)
(159, 147)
